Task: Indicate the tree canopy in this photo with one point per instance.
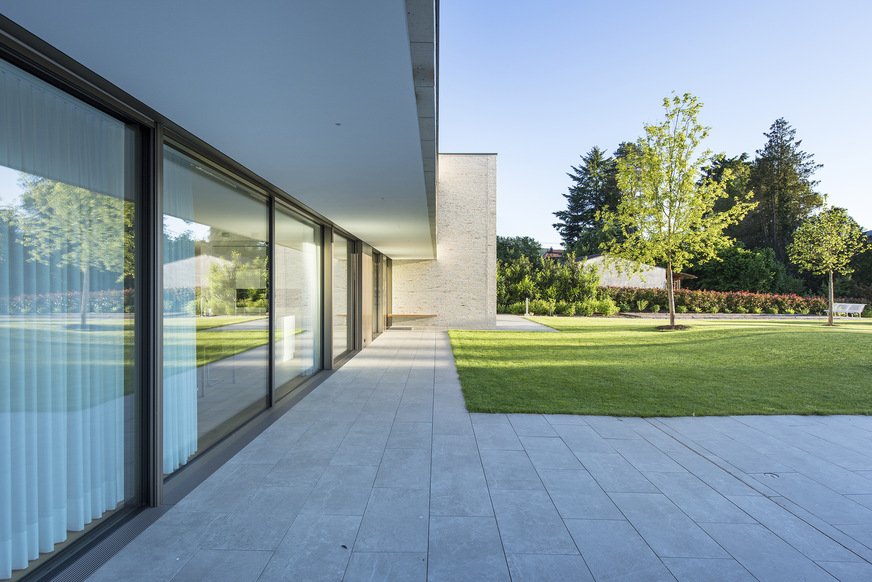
(64, 225)
(666, 210)
(510, 248)
(781, 179)
(594, 189)
(825, 244)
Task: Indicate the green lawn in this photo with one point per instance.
(624, 367)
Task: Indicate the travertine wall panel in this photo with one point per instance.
(460, 285)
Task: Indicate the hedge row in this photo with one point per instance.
(110, 301)
(604, 306)
(638, 299)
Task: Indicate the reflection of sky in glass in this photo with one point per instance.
(9, 189)
(175, 227)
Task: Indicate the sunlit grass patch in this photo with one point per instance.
(625, 367)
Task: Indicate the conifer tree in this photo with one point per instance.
(594, 189)
(781, 179)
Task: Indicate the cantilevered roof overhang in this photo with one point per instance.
(331, 102)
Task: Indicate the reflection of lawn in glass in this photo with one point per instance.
(63, 338)
(217, 345)
(65, 332)
(222, 320)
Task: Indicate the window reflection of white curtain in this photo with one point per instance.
(310, 299)
(180, 334)
(61, 386)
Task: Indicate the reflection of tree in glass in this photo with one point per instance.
(235, 280)
(63, 225)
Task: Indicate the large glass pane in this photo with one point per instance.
(68, 396)
(341, 300)
(297, 300)
(215, 306)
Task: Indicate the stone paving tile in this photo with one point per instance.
(396, 520)
(644, 456)
(457, 483)
(609, 427)
(614, 550)
(583, 439)
(342, 490)
(399, 567)
(554, 568)
(260, 521)
(549, 453)
(381, 474)
(162, 550)
(717, 477)
(466, 548)
(224, 489)
(763, 554)
(708, 569)
(819, 500)
(405, 468)
(410, 435)
(317, 547)
(696, 499)
(563, 419)
(531, 425)
(509, 470)
(451, 423)
(224, 566)
(849, 571)
(529, 523)
(577, 496)
(669, 532)
(492, 434)
(796, 532)
(614, 473)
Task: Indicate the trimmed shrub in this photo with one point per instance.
(606, 306)
(565, 308)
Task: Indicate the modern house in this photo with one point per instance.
(167, 168)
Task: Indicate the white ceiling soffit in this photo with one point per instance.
(333, 102)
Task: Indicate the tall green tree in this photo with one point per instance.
(781, 179)
(666, 211)
(511, 248)
(594, 189)
(825, 243)
(66, 225)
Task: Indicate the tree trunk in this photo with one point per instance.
(671, 291)
(85, 299)
(830, 315)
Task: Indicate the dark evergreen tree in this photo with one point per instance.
(781, 179)
(594, 189)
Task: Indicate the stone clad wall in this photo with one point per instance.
(460, 285)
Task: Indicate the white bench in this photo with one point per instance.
(847, 308)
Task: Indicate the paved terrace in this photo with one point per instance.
(381, 474)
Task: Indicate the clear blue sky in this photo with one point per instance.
(541, 83)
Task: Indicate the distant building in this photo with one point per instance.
(553, 253)
(650, 277)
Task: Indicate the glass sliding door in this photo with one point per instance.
(341, 297)
(297, 288)
(215, 306)
(69, 413)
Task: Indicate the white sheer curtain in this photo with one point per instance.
(180, 333)
(61, 383)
